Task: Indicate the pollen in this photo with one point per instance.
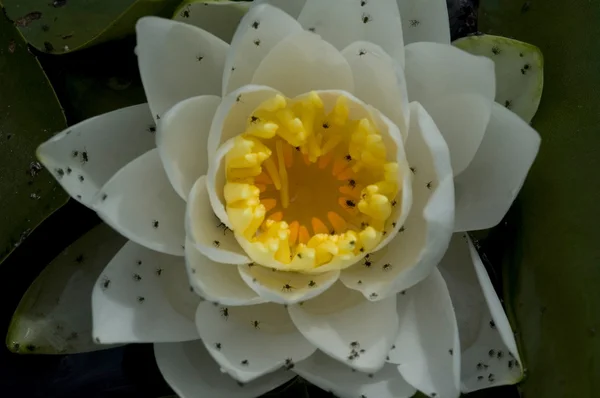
(309, 187)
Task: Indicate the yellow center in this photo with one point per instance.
(308, 189)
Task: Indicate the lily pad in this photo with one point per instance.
(54, 315)
(29, 114)
(552, 265)
(60, 26)
(219, 17)
(519, 71)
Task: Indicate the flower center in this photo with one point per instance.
(309, 189)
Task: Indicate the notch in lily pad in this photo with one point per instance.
(519, 71)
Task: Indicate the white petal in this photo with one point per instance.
(457, 89)
(292, 7)
(177, 61)
(233, 113)
(303, 62)
(487, 188)
(286, 287)
(140, 204)
(85, 156)
(425, 20)
(207, 233)
(215, 181)
(489, 351)
(182, 139)
(519, 71)
(427, 348)
(134, 299)
(54, 314)
(248, 342)
(342, 22)
(345, 326)
(379, 82)
(219, 17)
(217, 282)
(345, 382)
(261, 29)
(192, 373)
(423, 238)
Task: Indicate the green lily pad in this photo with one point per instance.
(54, 316)
(552, 264)
(60, 26)
(519, 71)
(219, 17)
(29, 114)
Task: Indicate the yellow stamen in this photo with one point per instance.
(285, 197)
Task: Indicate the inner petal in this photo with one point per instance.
(309, 185)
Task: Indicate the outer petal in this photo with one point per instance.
(192, 373)
(457, 89)
(177, 61)
(489, 351)
(303, 62)
(379, 81)
(85, 156)
(427, 348)
(292, 7)
(519, 71)
(233, 113)
(488, 187)
(286, 287)
(182, 139)
(348, 328)
(219, 17)
(207, 233)
(425, 20)
(248, 342)
(143, 296)
(140, 204)
(423, 238)
(217, 282)
(345, 382)
(342, 22)
(261, 29)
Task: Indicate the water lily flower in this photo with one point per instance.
(296, 202)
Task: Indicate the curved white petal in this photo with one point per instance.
(261, 29)
(182, 139)
(423, 238)
(489, 351)
(219, 17)
(248, 342)
(457, 89)
(215, 182)
(143, 296)
(285, 287)
(192, 373)
(206, 232)
(303, 62)
(217, 282)
(292, 7)
(85, 156)
(140, 204)
(345, 382)
(487, 188)
(425, 20)
(519, 70)
(342, 22)
(379, 81)
(345, 326)
(232, 115)
(427, 349)
(177, 61)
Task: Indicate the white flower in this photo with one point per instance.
(339, 162)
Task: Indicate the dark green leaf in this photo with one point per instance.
(29, 115)
(553, 257)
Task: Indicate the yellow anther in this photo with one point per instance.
(340, 111)
(235, 192)
(273, 171)
(263, 130)
(283, 176)
(274, 104)
(369, 238)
